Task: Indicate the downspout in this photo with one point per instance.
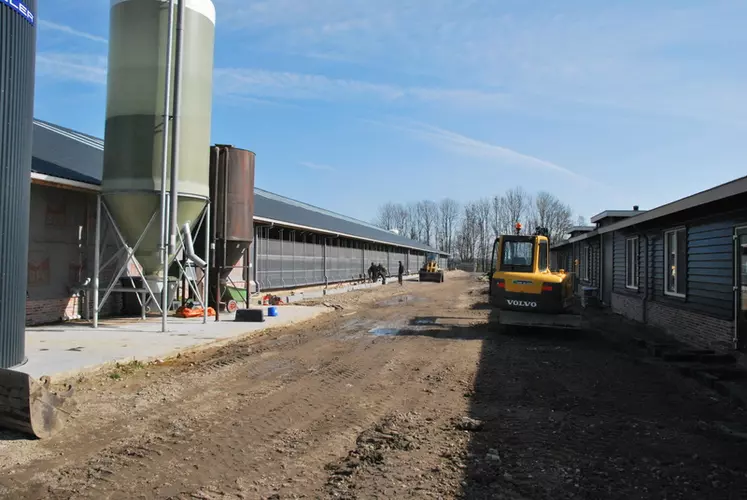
(602, 256)
(645, 283)
(214, 215)
(189, 247)
(164, 167)
(644, 300)
(177, 122)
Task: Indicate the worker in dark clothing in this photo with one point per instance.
(400, 273)
(381, 273)
(372, 272)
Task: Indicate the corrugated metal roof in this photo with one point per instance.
(67, 154)
(273, 206)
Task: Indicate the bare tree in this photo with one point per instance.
(449, 215)
(429, 218)
(467, 236)
(482, 219)
(581, 220)
(517, 203)
(549, 212)
(507, 210)
(401, 219)
(387, 216)
(468, 232)
(415, 223)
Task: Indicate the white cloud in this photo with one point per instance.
(468, 146)
(632, 57)
(299, 86)
(317, 166)
(71, 31)
(84, 68)
(554, 60)
(262, 86)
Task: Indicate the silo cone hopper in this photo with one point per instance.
(132, 211)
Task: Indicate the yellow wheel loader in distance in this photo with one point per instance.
(524, 289)
(430, 270)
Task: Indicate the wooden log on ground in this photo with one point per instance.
(29, 406)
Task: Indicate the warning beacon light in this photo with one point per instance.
(518, 228)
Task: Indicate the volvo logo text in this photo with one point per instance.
(522, 282)
(521, 303)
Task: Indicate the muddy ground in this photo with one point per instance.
(400, 392)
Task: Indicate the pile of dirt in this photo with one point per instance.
(391, 434)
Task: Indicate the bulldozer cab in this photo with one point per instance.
(517, 253)
(431, 263)
(520, 263)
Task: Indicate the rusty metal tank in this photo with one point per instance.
(232, 200)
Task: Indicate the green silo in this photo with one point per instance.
(134, 118)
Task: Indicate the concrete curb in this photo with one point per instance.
(317, 294)
(220, 342)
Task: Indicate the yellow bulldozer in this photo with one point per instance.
(522, 286)
(430, 270)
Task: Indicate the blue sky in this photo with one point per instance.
(351, 103)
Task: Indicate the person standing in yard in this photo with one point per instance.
(400, 273)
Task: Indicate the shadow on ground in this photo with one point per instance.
(579, 415)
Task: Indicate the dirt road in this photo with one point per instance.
(401, 392)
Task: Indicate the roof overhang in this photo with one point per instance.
(721, 192)
(337, 234)
(60, 183)
(615, 213)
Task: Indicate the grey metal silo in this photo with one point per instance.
(17, 58)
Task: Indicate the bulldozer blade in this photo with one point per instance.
(29, 406)
(432, 277)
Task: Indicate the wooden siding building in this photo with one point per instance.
(681, 267)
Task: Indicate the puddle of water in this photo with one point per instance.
(425, 321)
(355, 324)
(380, 332)
(402, 299)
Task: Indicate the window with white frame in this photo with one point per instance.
(631, 263)
(675, 262)
(586, 264)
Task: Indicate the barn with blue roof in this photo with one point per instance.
(295, 244)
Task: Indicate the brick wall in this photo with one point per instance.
(61, 255)
(628, 306)
(40, 312)
(698, 330)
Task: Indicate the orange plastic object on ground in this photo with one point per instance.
(193, 312)
(272, 300)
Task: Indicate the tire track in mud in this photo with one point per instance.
(305, 394)
(333, 434)
(265, 431)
